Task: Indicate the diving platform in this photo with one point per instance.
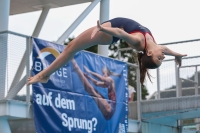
(167, 111)
(162, 115)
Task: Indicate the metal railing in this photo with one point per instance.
(138, 85)
(195, 81)
(176, 78)
(173, 72)
(16, 47)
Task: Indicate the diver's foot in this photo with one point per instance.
(37, 78)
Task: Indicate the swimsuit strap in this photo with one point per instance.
(145, 46)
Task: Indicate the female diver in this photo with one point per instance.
(137, 37)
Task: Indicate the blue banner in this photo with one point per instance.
(87, 95)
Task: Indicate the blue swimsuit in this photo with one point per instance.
(129, 26)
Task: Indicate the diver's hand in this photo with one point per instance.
(178, 59)
(86, 69)
(96, 29)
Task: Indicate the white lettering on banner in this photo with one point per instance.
(38, 66)
(121, 128)
(61, 72)
(44, 99)
(70, 122)
(64, 103)
(79, 123)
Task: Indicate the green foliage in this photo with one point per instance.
(131, 57)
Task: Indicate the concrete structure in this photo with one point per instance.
(4, 17)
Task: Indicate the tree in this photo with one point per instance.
(131, 57)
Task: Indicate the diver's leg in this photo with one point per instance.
(81, 42)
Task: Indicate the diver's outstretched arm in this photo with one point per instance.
(177, 56)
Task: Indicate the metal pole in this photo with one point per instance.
(28, 45)
(119, 54)
(41, 21)
(28, 41)
(138, 92)
(77, 22)
(104, 15)
(196, 80)
(158, 82)
(138, 96)
(177, 81)
(4, 19)
(4, 14)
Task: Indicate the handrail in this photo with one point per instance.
(189, 80)
(190, 66)
(14, 33)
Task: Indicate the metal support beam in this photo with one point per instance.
(19, 71)
(41, 21)
(77, 22)
(178, 81)
(4, 14)
(196, 80)
(104, 15)
(3, 64)
(28, 45)
(4, 19)
(119, 55)
(12, 93)
(158, 83)
(139, 94)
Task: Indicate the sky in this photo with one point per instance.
(168, 20)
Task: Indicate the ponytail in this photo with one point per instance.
(145, 62)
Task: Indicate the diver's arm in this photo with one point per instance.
(177, 56)
(116, 32)
(168, 51)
